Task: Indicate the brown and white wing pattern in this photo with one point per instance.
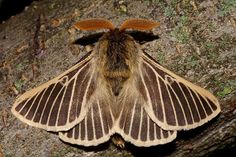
(171, 101)
(135, 125)
(95, 128)
(60, 103)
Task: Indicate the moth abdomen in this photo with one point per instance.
(116, 84)
(116, 59)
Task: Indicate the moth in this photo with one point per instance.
(117, 90)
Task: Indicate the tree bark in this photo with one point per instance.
(197, 41)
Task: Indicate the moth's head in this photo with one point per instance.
(116, 34)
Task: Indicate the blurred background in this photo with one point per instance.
(9, 8)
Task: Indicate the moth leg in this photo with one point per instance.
(118, 141)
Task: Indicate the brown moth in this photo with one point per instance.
(117, 89)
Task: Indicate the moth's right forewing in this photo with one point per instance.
(173, 102)
(60, 103)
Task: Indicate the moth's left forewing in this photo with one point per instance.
(171, 101)
(60, 103)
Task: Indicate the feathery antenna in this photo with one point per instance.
(94, 24)
(139, 24)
